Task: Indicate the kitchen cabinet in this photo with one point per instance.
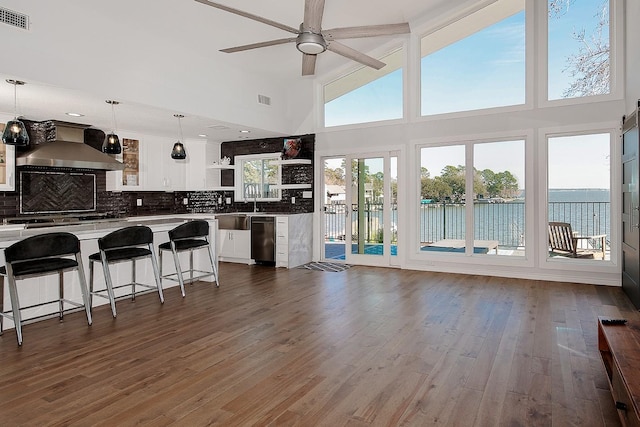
(162, 173)
(130, 179)
(196, 179)
(7, 167)
(294, 240)
(156, 170)
(235, 245)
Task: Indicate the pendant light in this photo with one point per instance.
(111, 144)
(15, 133)
(178, 151)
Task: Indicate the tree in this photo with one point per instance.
(334, 176)
(453, 176)
(590, 65)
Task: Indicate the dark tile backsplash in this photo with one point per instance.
(159, 203)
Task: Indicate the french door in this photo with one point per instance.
(371, 209)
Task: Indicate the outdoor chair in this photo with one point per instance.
(563, 241)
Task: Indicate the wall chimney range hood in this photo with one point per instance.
(67, 150)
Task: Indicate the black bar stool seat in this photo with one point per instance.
(188, 237)
(126, 244)
(37, 256)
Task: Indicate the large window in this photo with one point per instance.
(579, 195)
(578, 48)
(475, 62)
(493, 187)
(366, 95)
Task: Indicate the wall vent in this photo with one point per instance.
(264, 100)
(14, 18)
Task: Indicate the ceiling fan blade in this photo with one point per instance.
(257, 45)
(350, 53)
(313, 10)
(250, 16)
(366, 31)
(308, 64)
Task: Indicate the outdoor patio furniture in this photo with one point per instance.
(564, 241)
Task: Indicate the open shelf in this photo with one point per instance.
(294, 186)
(221, 167)
(291, 162)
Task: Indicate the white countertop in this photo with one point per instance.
(95, 229)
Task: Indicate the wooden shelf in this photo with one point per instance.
(231, 167)
(293, 186)
(291, 162)
(227, 188)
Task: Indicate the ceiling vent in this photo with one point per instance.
(264, 100)
(14, 18)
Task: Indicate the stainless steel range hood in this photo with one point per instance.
(68, 150)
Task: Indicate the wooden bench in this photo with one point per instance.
(619, 347)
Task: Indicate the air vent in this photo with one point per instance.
(264, 100)
(14, 18)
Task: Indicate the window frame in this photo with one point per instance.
(240, 178)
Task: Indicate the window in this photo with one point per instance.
(259, 177)
(578, 48)
(442, 194)
(493, 188)
(498, 203)
(476, 62)
(579, 190)
(366, 95)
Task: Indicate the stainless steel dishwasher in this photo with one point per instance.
(263, 239)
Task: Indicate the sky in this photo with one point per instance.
(489, 70)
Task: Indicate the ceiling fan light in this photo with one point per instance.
(311, 43)
(111, 144)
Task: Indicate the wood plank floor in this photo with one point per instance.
(363, 347)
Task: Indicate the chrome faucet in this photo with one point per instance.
(255, 200)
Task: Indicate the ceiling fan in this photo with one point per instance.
(311, 40)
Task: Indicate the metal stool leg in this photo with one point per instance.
(133, 279)
(176, 261)
(156, 272)
(1, 304)
(15, 307)
(107, 279)
(61, 294)
(214, 267)
(83, 288)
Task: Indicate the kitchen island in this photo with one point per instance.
(39, 289)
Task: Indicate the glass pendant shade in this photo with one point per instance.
(15, 133)
(111, 144)
(178, 152)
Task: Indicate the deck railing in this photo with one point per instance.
(504, 222)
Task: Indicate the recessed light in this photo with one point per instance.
(245, 131)
(202, 135)
(75, 114)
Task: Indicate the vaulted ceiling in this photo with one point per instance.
(160, 57)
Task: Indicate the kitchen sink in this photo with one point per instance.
(233, 222)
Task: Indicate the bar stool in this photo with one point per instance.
(126, 244)
(38, 256)
(190, 236)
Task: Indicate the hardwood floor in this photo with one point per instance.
(367, 346)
